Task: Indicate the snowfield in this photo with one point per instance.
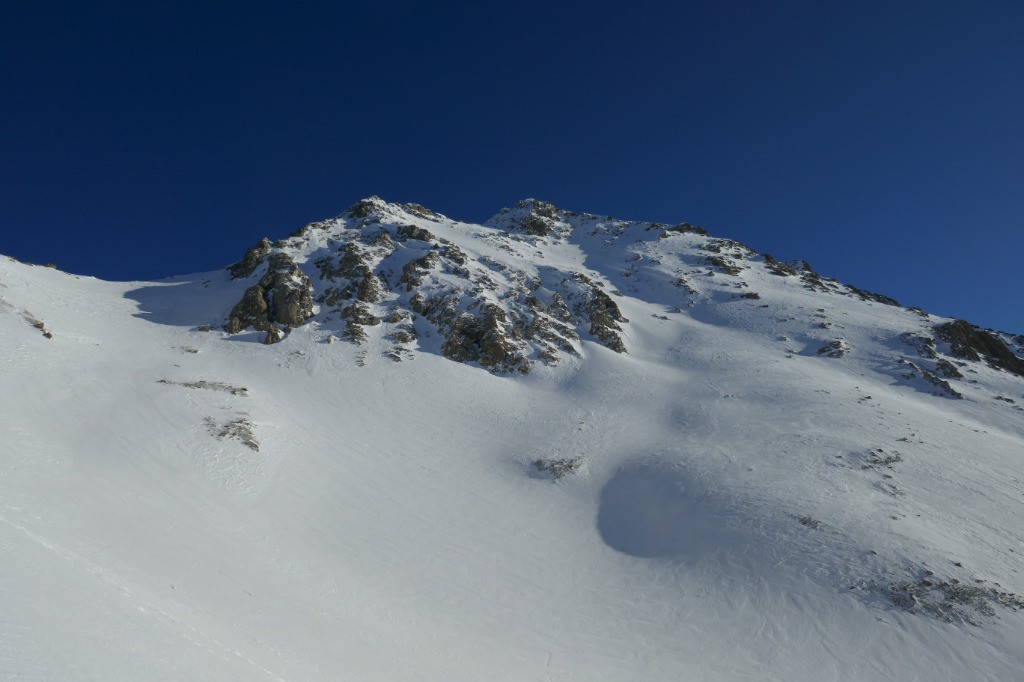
(774, 486)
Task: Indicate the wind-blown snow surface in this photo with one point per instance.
(743, 508)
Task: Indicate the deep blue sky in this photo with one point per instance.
(881, 141)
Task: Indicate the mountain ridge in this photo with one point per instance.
(551, 326)
(810, 482)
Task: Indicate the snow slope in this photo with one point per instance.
(187, 504)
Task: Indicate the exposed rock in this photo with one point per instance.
(536, 225)
(487, 339)
(396, 316)
(287, 292)
(777, 267)
(558, 468)
(834, 349)
(552, 325)
(364, 208)
(208, 385)
(454, 254)
(251, 311)
(948, 369)
(238, 428)
(968, 342)
(604, 316)
(809, 521)
(382, 240)
(282, 296)
(353, 332)
(423, 212)
(38, 324)
(352, 262)
(683, 228)
(949, 600)
(403, 335)
(724, 265)
(880, 459)
(273, 336)
(251, 260)
(924, 345)
(359, 313)
(871, 296)
(487, 307)
(813, 281)
(306, 229)
(413, 271)
(538, 221)
(944, 389)
(406, 232)
(368, 290)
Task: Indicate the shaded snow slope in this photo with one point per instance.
(794, 485)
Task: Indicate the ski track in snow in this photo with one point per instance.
(189, 632)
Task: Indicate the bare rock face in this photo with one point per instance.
(939, 386)
(364, 208)
(534, 218)
(924, 345)
(683, 228)
(777, 267)
(251, 260)
(352, 265)
(413, 271)
(359, 313)
(968, 342)
(282, 297)
(407, 232)
(487, 339)
(251, 311)
(287, 288)
(603, 315)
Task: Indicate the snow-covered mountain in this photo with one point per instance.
(555, 446)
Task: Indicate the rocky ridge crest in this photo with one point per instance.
(534, 283)
(379, 270)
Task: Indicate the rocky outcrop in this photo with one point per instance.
(407, 232)
(834, 349)
(534, 218)
(866, 295)
(968, 342)
(251, 260)
(948, 369)
(414, 270)
(509, 299)
(282, 296)
(683, 228)
(487, 339)
(604, 317)
(939, 386)
(287, 290)
(777, 267)
(924, 345)
(251, 311)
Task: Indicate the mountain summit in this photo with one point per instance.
(556, 445)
